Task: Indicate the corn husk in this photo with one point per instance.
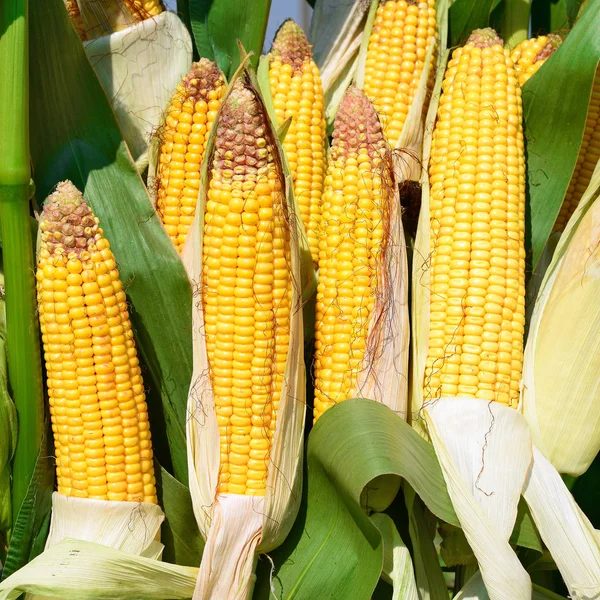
(408, 155)
(397, 563)
(561, 387)
(238, 527)
(78, 570)
(139, 68)
(336, 32)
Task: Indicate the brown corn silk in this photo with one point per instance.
(401, 35)
(298, 93)
(357, 203)
(477, 213)
(530, 55)
(184, 137)
(247, 288)
(95, 18)
(97, 401)
(589, 154)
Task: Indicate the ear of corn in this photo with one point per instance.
(589, 154)
(248, 385)
(361, 238)
(297, 93)
(477, 212)
(184, 137)
(530, 55)
(92, 18)
(397, 49)
(97, 400)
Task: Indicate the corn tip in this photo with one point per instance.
(484, 38)
(202, 77)
(291, 45)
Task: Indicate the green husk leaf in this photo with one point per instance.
(397, 564)
(331, 527)
(32, 522)
(515, 25)
(466, 15)
(77, 570)
(179, 532)
(560, 371)
(8, 427)
(553, 16)
(77, 138)
(554, 123)
(218, 25)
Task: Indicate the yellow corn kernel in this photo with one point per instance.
(587, 159)
(530, 55)
(97, 401)
(298, 93)
(188, 124)
(402, 33)
(246, 289)
(353, 235)
(477, 220)
(144, 9)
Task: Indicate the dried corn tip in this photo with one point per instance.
(75, 17)
(247, 289)
(530, 55)
(97, 402)
(402, 32)
(477, 224)
(353, 236)
(298, 93)
(187, 127)
(587, 159)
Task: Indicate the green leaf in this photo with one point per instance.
(554, 124)
(548, 16)
(515, 24)
(76, 137)
(8, 428)
(217, 26)
(466, 15)
(179, 532)
(333, 528)
(33, 520)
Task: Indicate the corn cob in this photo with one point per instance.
(95, 18)
(477, 210)
(401, 34)
(97, 401)
(298, 93)
(76, 20)
(353, 238)
(530, 55)
(247, 289)
(187, 127)
(589, 154)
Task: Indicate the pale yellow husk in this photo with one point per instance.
(239, 527)
(139, 69)
(561, 382)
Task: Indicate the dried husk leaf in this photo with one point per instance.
(561, 387)
(264, 522)
(139, 69)
(336, 32)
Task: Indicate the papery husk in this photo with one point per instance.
(421, 280)
(259, 524)
(383, 375)
(408, 152)
(561, 382)
(336, 31)
(78, 570)
(131, 527)
(139, 69)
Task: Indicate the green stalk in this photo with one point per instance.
(24, 367)
(515, 25)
